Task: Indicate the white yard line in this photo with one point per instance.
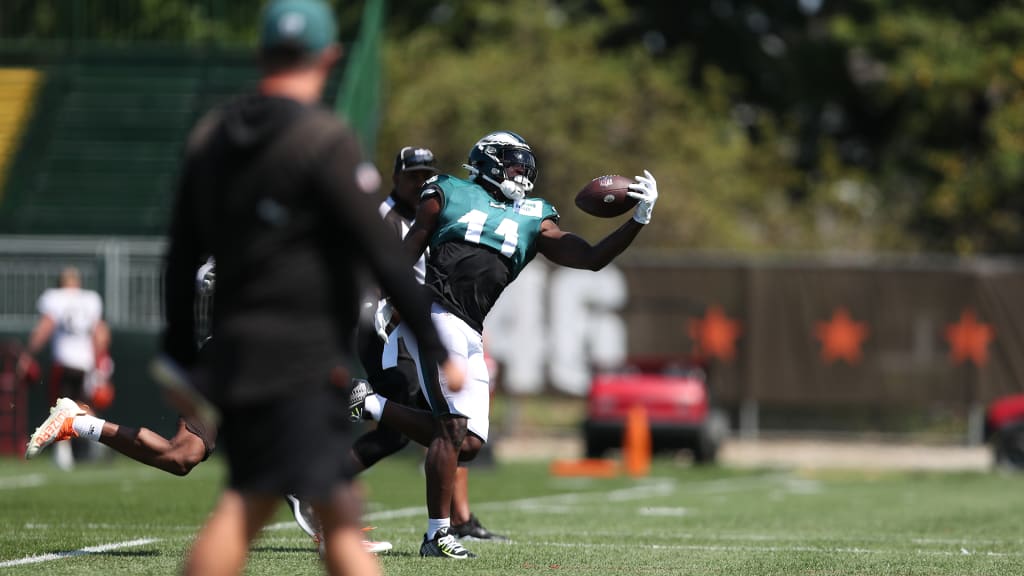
(371, 517)
(646, 488)
(83, 477)
(27, 481)
(80, 552)
(649, 488)
(767, 549)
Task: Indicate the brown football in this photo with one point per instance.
(605, 196)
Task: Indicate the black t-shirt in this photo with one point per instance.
(277, 192)
(467, 279)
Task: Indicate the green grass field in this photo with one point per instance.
(124, 518)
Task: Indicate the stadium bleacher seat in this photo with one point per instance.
(17, 94)
(103, 150)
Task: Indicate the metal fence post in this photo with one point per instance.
(112, 281)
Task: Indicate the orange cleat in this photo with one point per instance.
(57, 427)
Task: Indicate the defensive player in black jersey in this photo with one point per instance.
(274, 187)
(480, 232)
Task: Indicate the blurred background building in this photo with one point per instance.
(836, 241)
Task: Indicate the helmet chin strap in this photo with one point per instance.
(514, 189)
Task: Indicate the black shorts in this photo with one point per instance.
(289, 445)
(67, 382)
(398, 384)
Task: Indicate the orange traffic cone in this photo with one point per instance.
(636, 442)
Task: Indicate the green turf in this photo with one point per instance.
(680, 520)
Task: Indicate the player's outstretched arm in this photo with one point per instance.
(568, 249)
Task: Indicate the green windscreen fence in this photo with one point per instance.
(359, 94)
(101, 153)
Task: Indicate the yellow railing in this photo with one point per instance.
(17, 95)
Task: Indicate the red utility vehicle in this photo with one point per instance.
(1004, 429)
(676, 399)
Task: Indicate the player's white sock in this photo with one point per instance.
(63, 456)
(88, 427)
(435, 524)
(374, 405)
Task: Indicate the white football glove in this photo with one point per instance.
(646, 191)
(382, 317)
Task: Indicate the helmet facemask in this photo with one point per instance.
(504, 160)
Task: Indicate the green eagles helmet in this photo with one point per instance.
(492, 156)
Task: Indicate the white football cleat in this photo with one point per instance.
(373, 546)
(55, 428)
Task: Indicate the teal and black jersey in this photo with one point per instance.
(480, 245)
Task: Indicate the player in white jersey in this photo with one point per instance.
(71, 319)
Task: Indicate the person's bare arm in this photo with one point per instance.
(101, 338)
(568, 249)
(41, 334)
(38, 338)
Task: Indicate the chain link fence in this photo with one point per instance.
(126, 272)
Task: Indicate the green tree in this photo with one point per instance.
(533, 68)
(948, 77)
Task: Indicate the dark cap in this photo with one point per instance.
(411, 158)
(305, 25)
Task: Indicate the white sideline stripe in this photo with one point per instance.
(663, 511)
(648, 488)
(956, 543)
(84, 477)
(27, 481)
(79, 552)
(720, 548)
(396, 513)
(371, 517)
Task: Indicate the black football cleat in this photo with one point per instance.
(473, 530)
(304, 516)
(444, 545)
(357, 400)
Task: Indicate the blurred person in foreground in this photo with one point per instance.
(481, 233)
(71, 317)
(273, 187)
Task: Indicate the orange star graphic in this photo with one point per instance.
(968, 339)
(715, 334)
(841, 337)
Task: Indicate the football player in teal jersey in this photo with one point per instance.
(482, 232)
